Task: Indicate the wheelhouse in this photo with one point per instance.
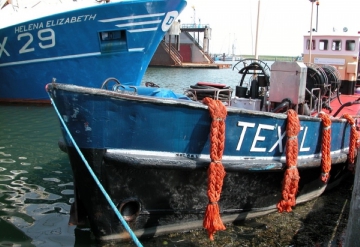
(338, 50)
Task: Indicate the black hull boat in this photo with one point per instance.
(165, 162)
(157, 200)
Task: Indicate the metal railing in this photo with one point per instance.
(173, 52)
(194, 25)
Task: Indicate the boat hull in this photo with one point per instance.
(116, 39)
(156, 200)
(151, 154)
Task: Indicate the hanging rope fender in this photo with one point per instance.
(291, 177)
(216, 172)
(354, 141)
(325, 147)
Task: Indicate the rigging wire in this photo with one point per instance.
(116, 211)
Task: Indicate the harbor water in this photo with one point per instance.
(36, 187)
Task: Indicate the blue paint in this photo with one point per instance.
(116, 39)
(164, 126)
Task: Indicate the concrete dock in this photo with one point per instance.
(196, 65)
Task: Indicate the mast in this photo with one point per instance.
(310, 42)
(257, 31)
(317, 13)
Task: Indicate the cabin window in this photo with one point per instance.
(308, 44)
(113, 41)
(336, 45)
(350, 45)
(323, 44)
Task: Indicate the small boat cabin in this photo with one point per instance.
(340, 50)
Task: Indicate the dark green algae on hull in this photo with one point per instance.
(320, 222)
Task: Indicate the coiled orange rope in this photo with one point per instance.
(216, 172)
(354, 138)
(291, 178)
(325, 147)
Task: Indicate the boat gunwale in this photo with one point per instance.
(172, 101)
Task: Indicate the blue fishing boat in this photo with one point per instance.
(61, 39)
(173, 162)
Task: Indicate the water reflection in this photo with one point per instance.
(35, 179)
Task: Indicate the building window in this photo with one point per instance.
(350, 45)
(336, 45)
(308, 45)
(323, 44)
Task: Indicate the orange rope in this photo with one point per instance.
(325, 147)
(216, 172)
(354, 138)
(291, 177)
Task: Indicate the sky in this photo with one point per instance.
(282, 23)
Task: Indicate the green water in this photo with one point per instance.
(35, 179)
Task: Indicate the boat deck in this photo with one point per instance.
(353, 110)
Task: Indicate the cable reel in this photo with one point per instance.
(316, 78)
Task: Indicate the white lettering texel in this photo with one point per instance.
(302, 149)
(245, 126)
(260, 138)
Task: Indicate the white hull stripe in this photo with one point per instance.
(143, 30)
(225, 157)
(132, 17)
(138, 23)
(136, 49)
(50, 59)
(63, 57)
